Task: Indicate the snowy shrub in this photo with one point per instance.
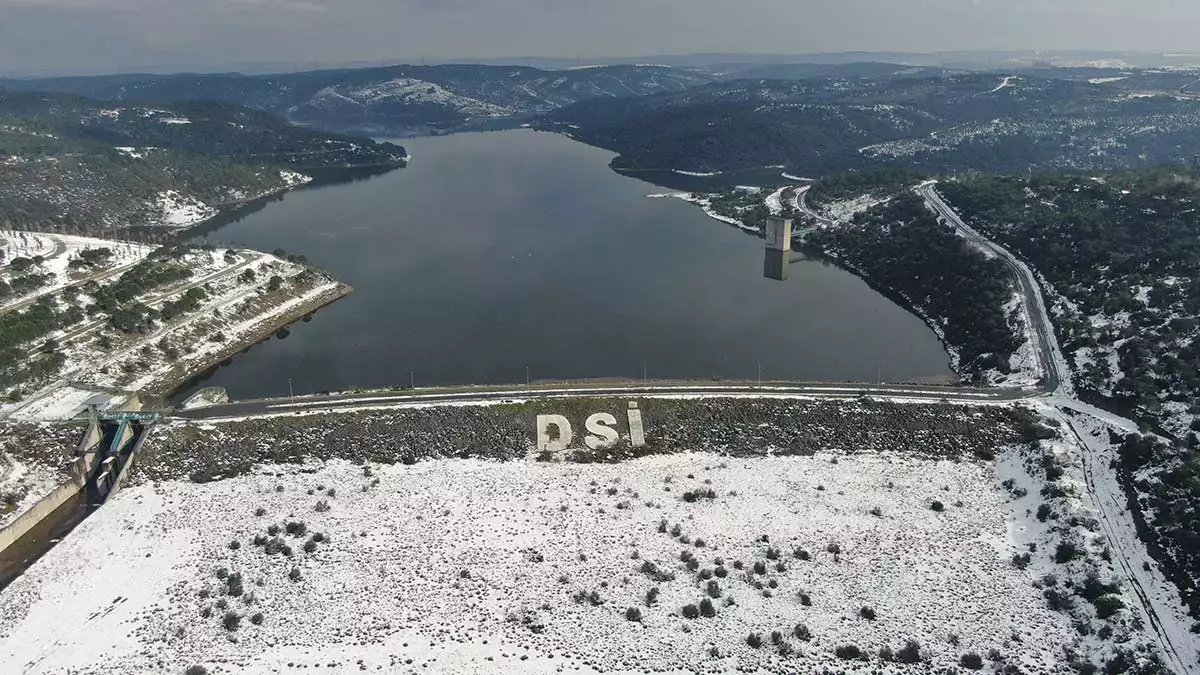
(1043, 512)
(321, 506)
(260, 540)
(848, 652)
(876, 511)
(690, 611)
(294, 575)
(257, 619)
(706, 574)
(651, 596)
(784, 648)
(296, 528)
(780, 567)
(1107, 605)
(232, 620)
(910, 652)
(772, 553)
(222, 572)
(867, 613)
(834, 548)
(713, 589)
(721, 572)
(707, 609)
(801, 632)
(1058, 602)
(693, 565)
(260, 511)
(676, 530)
(801, 554)
(310, 546)
(1066, 552)
(971, 661)
(235, 545)
(886, 655)
(662, 526)
(633, 614)
(760, 567)
(272, 530)
(233, 585)
(1021, 560)
(937, 506)
(320, 537)
(196, 670)
(754, 640)
(776, 637)
(804, 599)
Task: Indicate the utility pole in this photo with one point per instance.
(291, 394)
(760, 373)
(643, 373)
(526, 376)
(412, 382)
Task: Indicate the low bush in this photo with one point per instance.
(690, 611)
(937, 506)
(971, 661)
(801, 632)
(232, 620)
(754, 640)
(707, 609)
(848, 652)
(713, 589)
(867, 613)
(257, 618)
(801, 554)
(633, 614)
(909, 653)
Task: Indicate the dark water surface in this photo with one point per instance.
(496, 252)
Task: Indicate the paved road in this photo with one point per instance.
(582, 390)
(1031, 293)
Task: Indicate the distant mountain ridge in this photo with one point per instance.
(392, 100)
(72, 164)
(940, 124)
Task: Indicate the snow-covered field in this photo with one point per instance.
(22, 485)
(1025, 368)
(239, 307)
(449, 563)
(59, 250)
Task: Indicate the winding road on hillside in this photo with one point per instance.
(1031, 293)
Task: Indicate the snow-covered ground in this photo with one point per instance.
(23, 484)
(843, 211)
(1025, 368)
(235, 312)
(180, 210)
(705, 204)
(59, 250)
(477, 567)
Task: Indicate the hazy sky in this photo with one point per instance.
(97, 35)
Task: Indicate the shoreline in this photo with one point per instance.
(165, 390)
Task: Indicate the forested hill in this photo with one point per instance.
(820, 126)
(78, 165)
(394, 100)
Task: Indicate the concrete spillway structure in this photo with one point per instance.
(779, 248)
(100, 466)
